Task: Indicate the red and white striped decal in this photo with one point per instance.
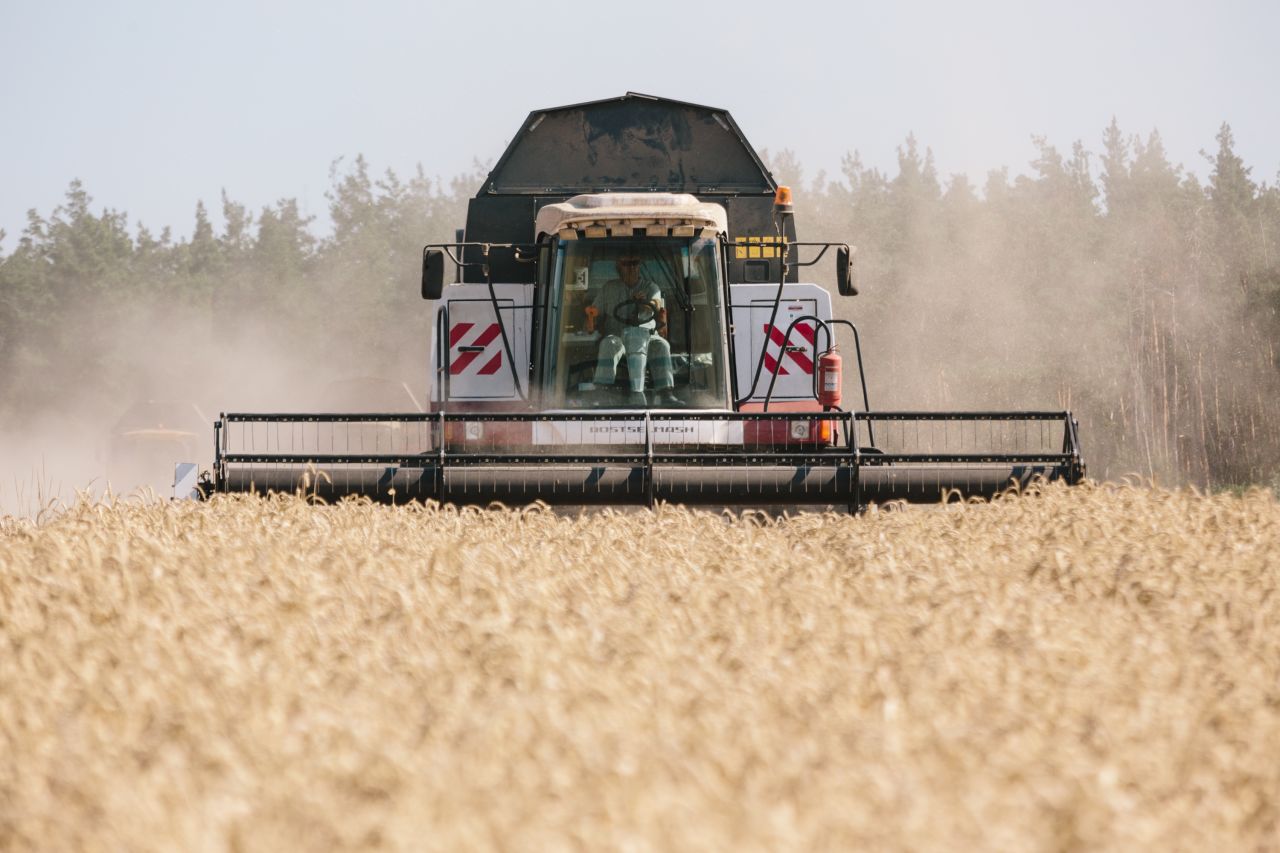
(802, 331)
(483, 348)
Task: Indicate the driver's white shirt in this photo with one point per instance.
(615, 292)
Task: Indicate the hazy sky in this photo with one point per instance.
(155, 105)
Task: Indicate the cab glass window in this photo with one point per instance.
(637, 323)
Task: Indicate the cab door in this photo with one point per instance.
(791, 360)
(469, 361)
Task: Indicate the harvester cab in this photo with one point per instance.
(626, 324)
(631, 310)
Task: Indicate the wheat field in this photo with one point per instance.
(1094, 668)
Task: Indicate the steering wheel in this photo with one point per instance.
(633, 312)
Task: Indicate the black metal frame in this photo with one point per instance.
(825, 326)
(844, 456)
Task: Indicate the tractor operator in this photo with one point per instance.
(634, 315)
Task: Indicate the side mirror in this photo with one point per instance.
(846, 281)
(432, 274)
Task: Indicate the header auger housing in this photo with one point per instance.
(627, 325)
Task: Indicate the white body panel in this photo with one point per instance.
(468, 339)
(796, 361)
(185, 477)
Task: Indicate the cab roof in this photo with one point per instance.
(631, 210)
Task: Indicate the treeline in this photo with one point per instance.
(1112, 282)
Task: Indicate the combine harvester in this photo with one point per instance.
(627, 325)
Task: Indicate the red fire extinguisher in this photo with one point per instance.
(829, 378)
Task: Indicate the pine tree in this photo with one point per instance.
(1115, 169)
(1231, 196)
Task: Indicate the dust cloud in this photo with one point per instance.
(121, 346)
(1112, 284)
(1108, 282)
(174, 376)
